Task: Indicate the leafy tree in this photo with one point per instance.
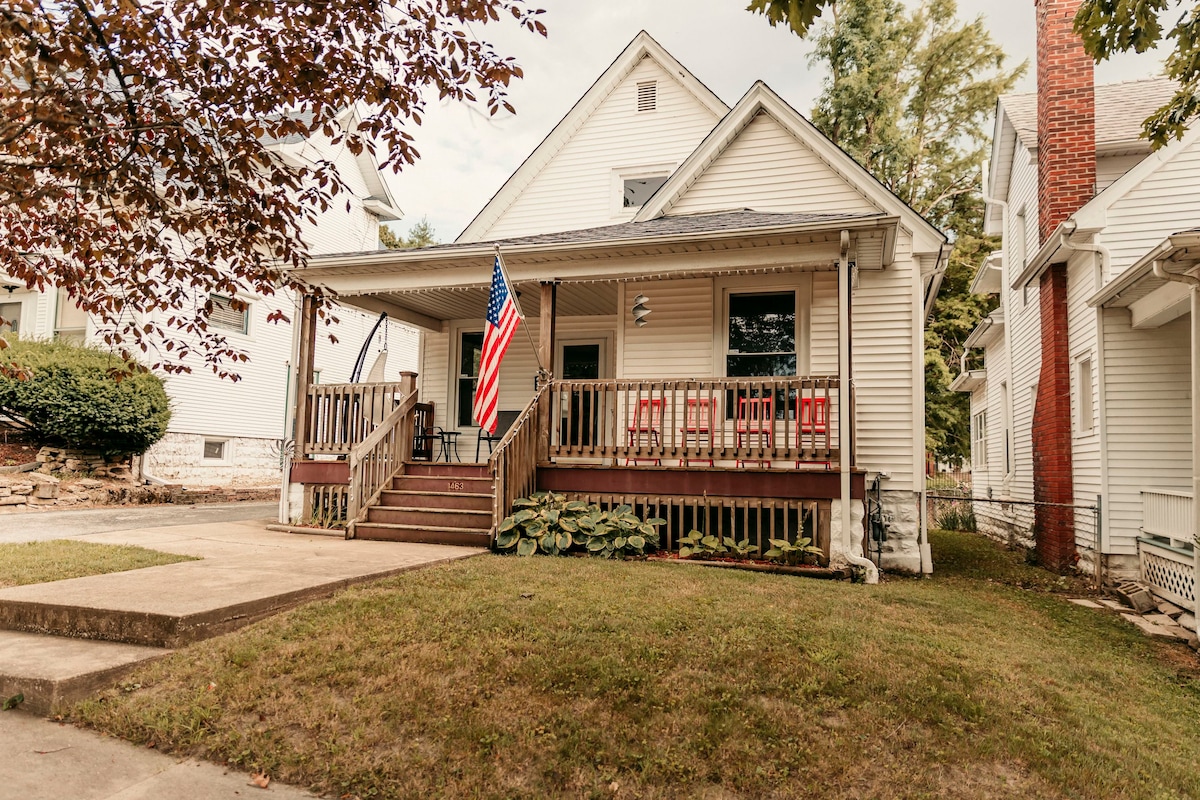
(1108, 27)
(82, 397)
(910, 95)
(136, 166)
(420, 234)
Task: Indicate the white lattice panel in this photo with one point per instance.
(1171, 576)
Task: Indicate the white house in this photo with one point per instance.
(234, 433)
(1085, 398)
(778, 375)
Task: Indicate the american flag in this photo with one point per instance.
(502, 321)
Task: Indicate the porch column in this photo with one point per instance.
(549, 315)
(1195, 323)
(304, 369)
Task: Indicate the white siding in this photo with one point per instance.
(1081, 338)
(678, 341)
(1109, 168)
(1165, 202)
(768, 169)
(576, 188)
(1148, 404)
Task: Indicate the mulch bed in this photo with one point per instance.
(755, 565)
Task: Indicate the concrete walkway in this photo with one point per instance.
(48, 761)
(48, 650)
(35, 525)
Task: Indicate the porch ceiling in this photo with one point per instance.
(446, 303)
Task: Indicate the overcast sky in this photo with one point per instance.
(466, 156)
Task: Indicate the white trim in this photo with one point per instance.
(226, 458)
(617, 183)
(761, 99)
(454, 351)
(723, 287)
(642, 46)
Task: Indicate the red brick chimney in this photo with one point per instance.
(1066, 106)
(1066, 181)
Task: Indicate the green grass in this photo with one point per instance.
(514, 678)
(59, 559)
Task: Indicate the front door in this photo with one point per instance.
(581, 360)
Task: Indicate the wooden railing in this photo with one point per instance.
(377, 458)
(789, 421)
(513, 464)
(339, 416)
(1168, 515)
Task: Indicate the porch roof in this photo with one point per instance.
(427, 286)
(1178, 253)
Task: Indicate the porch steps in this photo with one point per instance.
(433, 504)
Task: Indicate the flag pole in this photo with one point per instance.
(521, 313)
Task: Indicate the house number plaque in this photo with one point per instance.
(456, 486)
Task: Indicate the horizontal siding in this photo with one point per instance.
(767, 169)
(575, 189)
(678, 340)
(1082, 341)
(1148, 405)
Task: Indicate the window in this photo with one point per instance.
(1018, 252)
(470, 353)
(224, 315)
(1083, 380)
(762, 335)
(647, 96)
(636, 191)
(979, 449)
(70, 321)
(215, 449)
(10, 317)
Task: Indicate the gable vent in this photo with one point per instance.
(647, 96)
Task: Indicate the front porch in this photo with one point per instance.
(740, 458)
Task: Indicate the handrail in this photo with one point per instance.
(340, 415)
(513, 464)
(375, 459)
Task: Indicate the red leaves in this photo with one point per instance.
(141, 177)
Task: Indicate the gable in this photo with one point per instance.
(766, 168)
(572, 179)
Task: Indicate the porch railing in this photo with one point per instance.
(513, 464)
(339, 416)
(381, 456)
(792, 421)
(1168, 515)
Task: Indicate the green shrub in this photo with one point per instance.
(82, 397)
(547, 523)
(955, 516)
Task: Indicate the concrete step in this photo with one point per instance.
(54, 672)
(455, 484)
(457, 500)
(432, 517)
(446, 470)
(390, 532)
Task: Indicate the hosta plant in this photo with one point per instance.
(792, 554)
(696, 543)
(617, 533)
(544, 522)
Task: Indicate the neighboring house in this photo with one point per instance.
(1085, 395)
(750, 236)
(227, 432)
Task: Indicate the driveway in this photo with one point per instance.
(30, 526)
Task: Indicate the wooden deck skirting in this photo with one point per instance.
(699, 481)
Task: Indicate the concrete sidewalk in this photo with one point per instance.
(48, 761)
(246, 573)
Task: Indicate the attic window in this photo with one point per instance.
(636, 191)
(647, 96)
(224, 315)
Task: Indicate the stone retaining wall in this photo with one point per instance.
(29, 491)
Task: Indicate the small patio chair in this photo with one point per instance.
(812, 419)
(756, 425)
(504, 421)
(647, 426)
(698, 424)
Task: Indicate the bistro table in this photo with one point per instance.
(449, 445)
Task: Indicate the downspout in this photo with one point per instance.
(1194, 283)
(844, 413)
(1009, 413)
(923, 549)
(1102, 266)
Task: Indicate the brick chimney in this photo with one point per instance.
(1066, 110)
(1066, 181)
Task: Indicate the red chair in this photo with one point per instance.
(647, 426)
(756, 423)
(698, 424)
(812, 418)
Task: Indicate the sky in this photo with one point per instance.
(466, 156)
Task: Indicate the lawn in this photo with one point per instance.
(59, 559)
(514, 678)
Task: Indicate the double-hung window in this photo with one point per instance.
(470, 353)
(762, 335)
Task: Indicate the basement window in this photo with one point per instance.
(216, 450)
